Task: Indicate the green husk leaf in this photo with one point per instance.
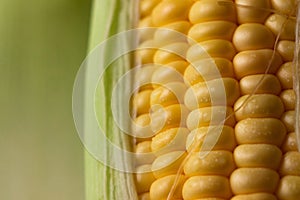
(110, 17)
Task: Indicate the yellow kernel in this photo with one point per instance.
(210, 48)
(224, 91)
(290, 143)
(169, 117)
(146, 7)
(141, 102)
(257, 155)
(211, 10)
(289, 120)
(288, 98)
(212, 30)
(253, 180)
(167, 164)
(179, 66)
(279, 24)
(142, 78)
(256, 62)
(173, 32)
(173, 139)
(221, 137)
(267, 84)
(285, 75)
(290, 164)
(164, 75)
(255, 12)
(285, 6)
(258, 105)
(170, 53)
(168, 94)
(144, 196)
(208, 116)
(198, 187)
(253, 36)
(259, 131)
(208, 69)
(255, 196)
(146, 52)
(286, 49)
(161, 188)
(145, 32)
(169, 11)
(142, 129)
(289, 188)
(144, 178)
(214, 163)
(143, 154)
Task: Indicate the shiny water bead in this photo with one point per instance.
(253, 180)
(256, 62)
(288, 98)
(144, 196)
(253, 36)
(210, 48)
(285, 6)
(143, 154)
(208, 116)
(282, 26)
(224, 91)
(289, 188)
(173, 139)
(214, 163)
(169, 11)
(285, 74)
(208, 69)
(161, 188)
(145, 31)
(146, 51)
(258, 105)
(169, 117)
(290, 143)
(259, 131)
(141, 102)
(168, 94)
(143, 178)
(286, 49)
(212, 10)
(252, 11)
(290, 164)
(255, 196)
(146, 7)
(167, 164)
(220, 137)
(198, 187)
(173, 32)
(212, 30)
(260, 84)
(257, 155)
(289, 120)
(170, 53)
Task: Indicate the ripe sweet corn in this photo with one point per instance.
(251, 43)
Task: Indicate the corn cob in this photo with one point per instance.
(252, 44)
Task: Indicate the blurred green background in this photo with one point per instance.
(42, 44)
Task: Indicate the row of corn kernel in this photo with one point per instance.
(289, 185)
(213, 27)
(166, 97)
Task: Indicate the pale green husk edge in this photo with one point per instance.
(109, 17)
